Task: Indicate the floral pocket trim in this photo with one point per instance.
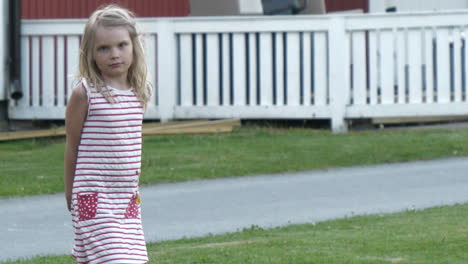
(87, 206)
(133, 208)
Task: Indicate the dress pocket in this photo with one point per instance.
(133, 208)
(87, 206)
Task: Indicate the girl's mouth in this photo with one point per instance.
(116, 65)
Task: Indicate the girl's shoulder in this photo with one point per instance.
(78, 98)
(88, 86)
(80, 91)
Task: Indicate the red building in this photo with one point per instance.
(44, 9)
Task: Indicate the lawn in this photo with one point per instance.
(433, 236)
(36, 166)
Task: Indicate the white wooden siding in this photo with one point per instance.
(4, 82)
(379, 6)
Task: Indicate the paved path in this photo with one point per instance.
(41, 225)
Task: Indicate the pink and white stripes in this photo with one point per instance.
(106, 202)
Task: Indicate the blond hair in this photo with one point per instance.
(114, 16)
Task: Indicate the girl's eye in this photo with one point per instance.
(103, 49)
(123, 45)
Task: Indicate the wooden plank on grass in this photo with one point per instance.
(190, 130)
(403, 120)
(178, 127)
(168, 124)
(5, 136)
(188, 127)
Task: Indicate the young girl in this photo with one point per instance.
(103, 150)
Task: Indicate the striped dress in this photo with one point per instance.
(105, 199)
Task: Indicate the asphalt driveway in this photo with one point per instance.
(41, 225)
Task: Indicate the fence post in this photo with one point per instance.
(166, 69)
(338, 54)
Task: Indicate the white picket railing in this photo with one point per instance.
(309, 67)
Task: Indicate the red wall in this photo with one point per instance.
(43, 9)
(341, 5)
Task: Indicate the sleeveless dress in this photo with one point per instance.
(105, 199)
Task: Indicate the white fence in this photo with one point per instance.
(308, 67)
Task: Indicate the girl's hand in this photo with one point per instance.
(69, 202)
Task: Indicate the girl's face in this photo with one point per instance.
(113, 52)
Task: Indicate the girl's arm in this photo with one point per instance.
(77, 109)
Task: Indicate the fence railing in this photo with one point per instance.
(308, 67)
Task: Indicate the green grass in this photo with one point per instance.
(36, 166)
(433, 236)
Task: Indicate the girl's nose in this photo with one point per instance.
(115, 53)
